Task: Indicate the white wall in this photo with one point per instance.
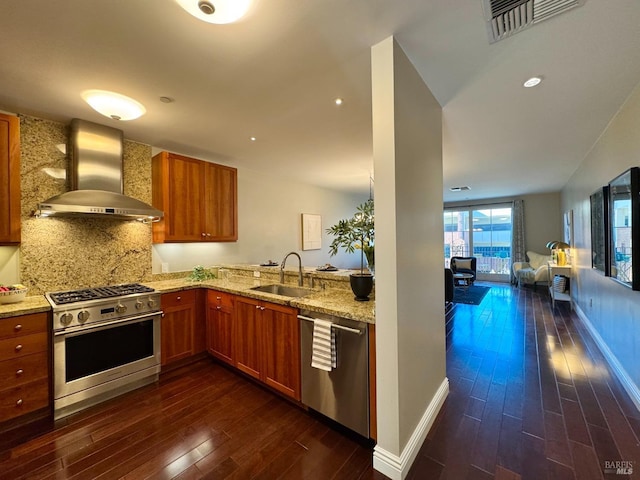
(611, 308)
(9, 265)
(269, 226)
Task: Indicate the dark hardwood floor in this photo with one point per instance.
(531, 397)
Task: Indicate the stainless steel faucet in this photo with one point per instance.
(299, 267)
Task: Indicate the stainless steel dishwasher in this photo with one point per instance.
(343, 393)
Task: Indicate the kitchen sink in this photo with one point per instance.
(284, 290)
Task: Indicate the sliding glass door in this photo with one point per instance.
(483, 232)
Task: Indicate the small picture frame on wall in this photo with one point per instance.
(568, 227)
(599, 201)
(311, 231)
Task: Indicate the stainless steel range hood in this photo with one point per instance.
(95, 177)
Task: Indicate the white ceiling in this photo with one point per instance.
(275, 74)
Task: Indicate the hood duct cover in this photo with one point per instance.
(506, 17)
(95, 176)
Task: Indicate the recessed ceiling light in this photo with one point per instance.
(113, 105)
(532, 82)
(253, 139)
(338, 101)
(216, 11)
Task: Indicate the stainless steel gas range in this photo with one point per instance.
(106, 341)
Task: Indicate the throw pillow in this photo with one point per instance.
(463, 264)
(536, 260)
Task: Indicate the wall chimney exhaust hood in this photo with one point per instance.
(95, 176)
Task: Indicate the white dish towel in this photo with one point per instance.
(324, 345)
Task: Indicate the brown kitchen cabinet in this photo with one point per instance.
(178, 326)
(9, 179)
(198, 198)
(267, 344)
(220, 340)
(24, 365)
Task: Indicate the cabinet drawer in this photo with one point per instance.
(22, 345)
(183, 297)
(23, 325)
(23, 399)
(219, 298)
(21, 370)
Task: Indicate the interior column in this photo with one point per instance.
(410, 348)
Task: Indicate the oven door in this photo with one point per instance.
(92, 361)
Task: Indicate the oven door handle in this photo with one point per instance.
(104, 325)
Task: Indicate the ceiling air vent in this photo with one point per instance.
(506, 17)
(460, 189)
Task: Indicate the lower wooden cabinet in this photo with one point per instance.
(220, 341)
(267, 341)
(261, 339)
(24, 365)
(178, 326)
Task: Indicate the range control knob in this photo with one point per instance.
(152, 303)
(121, 308)
(66, 319)
(139, 304)
(83, 316)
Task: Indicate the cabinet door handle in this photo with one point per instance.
(257, 307)
(203, 234)
(218, 307)
(261, 308)
(19, 372)
(19, 402)
(18, 327)
(18, 348)
(178, 298)
(218, 298)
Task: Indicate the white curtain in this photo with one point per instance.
(518, 248)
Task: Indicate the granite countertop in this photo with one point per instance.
(33, 304)
(332, 301)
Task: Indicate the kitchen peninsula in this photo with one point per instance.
(255, 332)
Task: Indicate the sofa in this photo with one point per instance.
(448, 286)
(533, 271)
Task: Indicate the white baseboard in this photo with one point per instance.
(628, 384)
(397, 467)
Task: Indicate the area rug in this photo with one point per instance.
(471, 295)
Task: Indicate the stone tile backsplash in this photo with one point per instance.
(69, 253)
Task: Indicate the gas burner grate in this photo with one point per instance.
(86, 294)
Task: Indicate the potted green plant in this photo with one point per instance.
(357, 233)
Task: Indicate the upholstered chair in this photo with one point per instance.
(534, 271)
(464, 265)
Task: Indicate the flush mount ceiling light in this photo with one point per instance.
(113, 105)
(216, 11)
(532, 82)
(339, 101)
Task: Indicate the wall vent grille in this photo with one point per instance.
(507, 17)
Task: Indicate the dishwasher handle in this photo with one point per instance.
(335, 325)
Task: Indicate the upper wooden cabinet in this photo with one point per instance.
(199, 200)
(9, 179)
